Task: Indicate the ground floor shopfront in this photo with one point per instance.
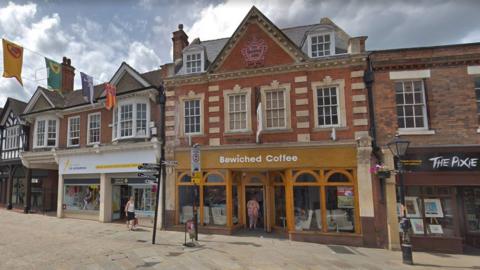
(310, 193)
(443, 198)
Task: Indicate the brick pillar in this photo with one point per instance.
(391, 204)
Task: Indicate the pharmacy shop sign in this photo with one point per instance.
(443, 162)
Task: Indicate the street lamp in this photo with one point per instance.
(399, 147)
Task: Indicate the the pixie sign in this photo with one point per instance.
(257, 159)
(454, 162)
(442, 162)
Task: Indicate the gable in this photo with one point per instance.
(10, 120)
(127, 82)
(41, 104)
(256, 48)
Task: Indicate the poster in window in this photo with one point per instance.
(435, 229)
(433, 208)
(345, 197)
(417, 225)
(411, 205)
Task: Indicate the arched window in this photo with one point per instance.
(186, 178)
(338, 177)
(214, 178)
(306, 178)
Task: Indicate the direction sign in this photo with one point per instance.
(148, 166)
(195, 158)
(170, 163)
(148, 175)
(196, 177)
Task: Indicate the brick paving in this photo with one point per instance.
(42, 242)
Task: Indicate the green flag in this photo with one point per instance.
(54, 70)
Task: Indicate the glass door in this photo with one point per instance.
(116, 203)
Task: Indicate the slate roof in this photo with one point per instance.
(16, 106)
(154, 77)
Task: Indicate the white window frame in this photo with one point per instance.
(69, 135)
(477, 98)
(326, 83)
(191, 96)
(424, 107)
(116, 127)
(275, 85)
(45, 133)
(89, 121)
(12, 140)
(317, 34)
(237, 90)
(202, 60)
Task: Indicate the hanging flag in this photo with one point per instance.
(12, 60)
(87, 87)
(54, 72)
(111, 95)
(258, 100)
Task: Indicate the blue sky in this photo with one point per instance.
(99, 35)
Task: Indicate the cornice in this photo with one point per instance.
(425, 62)
(119, 147)
(342, 61)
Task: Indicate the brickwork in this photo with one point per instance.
(450, 94)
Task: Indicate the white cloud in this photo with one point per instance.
(142, 58)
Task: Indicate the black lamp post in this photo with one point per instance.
(399, 147)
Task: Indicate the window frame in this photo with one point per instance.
(275, 85)
(237, 90)
(342, 115)
(89, 142)
(46, 119)
(69, 126)
(12, 139)
(192, 96)
(317, 34)
(116, 113)
(202, 61)
(424, 106)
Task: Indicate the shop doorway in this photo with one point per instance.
(255, 187)
(121, 195)
(256, 193)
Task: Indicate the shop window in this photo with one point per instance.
(338, 177)
(82, 197)
(215, 202)
(306, 178)
(185, 203)
(214, 178)
(471, 202)
(18, 192)
(235, 204)
(307, 208)
(431, 210)
(186, 178)
(280, 211)
(144, 199)
(277, 179)
(340, 204)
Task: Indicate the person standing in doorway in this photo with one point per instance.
(130, 212)
(253, 207)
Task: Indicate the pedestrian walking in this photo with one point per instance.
(253, 208)
(130, 212)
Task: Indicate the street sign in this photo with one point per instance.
(195, 158)
(148, 166)
(170, 163)
(196, 177)
(148, 175)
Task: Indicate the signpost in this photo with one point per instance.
(196, 178)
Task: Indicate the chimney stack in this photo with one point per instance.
(68, 75)
(180, 41)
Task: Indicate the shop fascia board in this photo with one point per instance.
(345, 143)
(119, 147)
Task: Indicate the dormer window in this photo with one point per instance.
(321, 44)
(194, 62)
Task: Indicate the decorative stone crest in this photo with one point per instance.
(254, 52)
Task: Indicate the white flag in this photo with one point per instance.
(259, 121)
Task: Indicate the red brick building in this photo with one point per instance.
(431, 97)
(280, 116)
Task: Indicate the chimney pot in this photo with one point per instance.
(180, 26)
(180, 41)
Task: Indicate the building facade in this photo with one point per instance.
(280, 116)
(431, 97)
(96, 152)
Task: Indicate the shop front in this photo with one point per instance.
(443, 198)
(97, 186)
(308, 193)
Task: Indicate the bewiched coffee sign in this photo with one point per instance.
(442, 162)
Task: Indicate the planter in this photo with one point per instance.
(384, 174)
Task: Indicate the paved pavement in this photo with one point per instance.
(42, 242)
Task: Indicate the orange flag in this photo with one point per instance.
(12, 60)
(111, 95)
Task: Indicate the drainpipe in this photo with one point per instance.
(369, 79)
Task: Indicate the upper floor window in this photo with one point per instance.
(46, 130)
(237, 111)
(94, 123)
(130, 120)
(477, 93)
(411, 105)
(74, 131)
(12, 138)
(275, 109)
(192, 116)
(328, 106)
(193, 62)
(321, 45)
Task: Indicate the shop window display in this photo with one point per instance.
(18, 195)
(307, 209)
(185, 203)
(214, 205)
(280, 212)
(340, 209)
(82, 197)
(235, 204)
(144, 200)
(471, 201)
